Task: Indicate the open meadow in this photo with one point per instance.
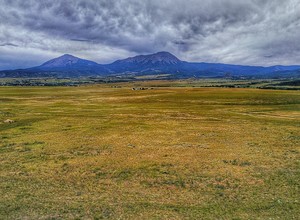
(109, 152)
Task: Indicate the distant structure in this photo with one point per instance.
(140, 88)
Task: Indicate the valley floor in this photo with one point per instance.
(93, 152)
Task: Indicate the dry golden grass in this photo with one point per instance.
(95, 152)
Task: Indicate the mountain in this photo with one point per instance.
(157, 63)
(63, 66)
(67, 62)
(70, 65)
(165, 62)
(153, 63)
(160, 58)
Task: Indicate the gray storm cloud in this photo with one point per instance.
(254, 32)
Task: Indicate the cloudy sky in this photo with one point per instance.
(254, 32)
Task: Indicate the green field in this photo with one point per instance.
(97, 152)
(159, 81)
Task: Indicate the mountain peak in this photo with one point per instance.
(160, 58)
(67, 56)
(67, 61)
(62, 61)
(164, 55)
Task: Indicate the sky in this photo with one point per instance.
(248, 32)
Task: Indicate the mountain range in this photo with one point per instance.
(158, 63)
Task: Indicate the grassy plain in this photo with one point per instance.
(96, 152)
